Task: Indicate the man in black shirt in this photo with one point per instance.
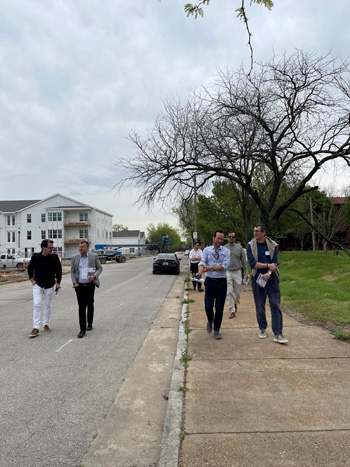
(44, 272)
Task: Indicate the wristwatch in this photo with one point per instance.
(269, 273)
(212, 269)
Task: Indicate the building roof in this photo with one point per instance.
(339, 199)
(127, 233)
(16, 205)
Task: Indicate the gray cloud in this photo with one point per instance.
(76, 77)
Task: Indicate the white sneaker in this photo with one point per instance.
(262, 333)
(280, 339)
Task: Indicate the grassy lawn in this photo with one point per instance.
(317, 285)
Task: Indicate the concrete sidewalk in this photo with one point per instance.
(253, 402)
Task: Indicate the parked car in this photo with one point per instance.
(106, 254)
(13, 261)
(166, 262)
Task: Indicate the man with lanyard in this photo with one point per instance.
(214, 263)
(234, 273)
(262, 257)
(85, 269)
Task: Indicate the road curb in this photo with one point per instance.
(170, 448)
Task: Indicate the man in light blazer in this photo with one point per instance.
(85, 269)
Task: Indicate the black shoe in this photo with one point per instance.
(81, 333)
(209, 327)
(89, 328)
(200, 290)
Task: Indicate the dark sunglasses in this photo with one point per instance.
(231, 236)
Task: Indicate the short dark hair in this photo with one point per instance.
(262, 227)
(84, 241)
(218, 231)
(196, 243)
(45, 243)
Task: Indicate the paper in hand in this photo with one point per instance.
(260, 281)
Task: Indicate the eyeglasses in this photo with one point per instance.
(231, 236)
(50, 247)
(216, 255)
(257, 231)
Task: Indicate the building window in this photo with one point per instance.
(53, 216)
(13, 220)
(29, 234)
(106, 235)
(43, 217)
(11, 237)
(83, 233)
(55, 233)
(132, 250)
(29, 218)
(8, 220)
(83, 216)
(43, 234)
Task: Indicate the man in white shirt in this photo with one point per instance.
(194, 258)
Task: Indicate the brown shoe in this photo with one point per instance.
(47, 328)
(34, 333)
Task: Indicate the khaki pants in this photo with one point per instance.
(234, 286)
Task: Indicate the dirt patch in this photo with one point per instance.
(19, 276)
(328, 278)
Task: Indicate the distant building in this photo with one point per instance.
(25, 223)
(342, 229)
(131, 241)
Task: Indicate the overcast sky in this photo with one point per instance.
(77, 75)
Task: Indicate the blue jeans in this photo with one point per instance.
(271, 290)
(215, 293)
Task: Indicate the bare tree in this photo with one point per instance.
(262, 131)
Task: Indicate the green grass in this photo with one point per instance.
(317, 285)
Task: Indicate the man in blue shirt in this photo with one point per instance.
(262, 257)
(214, 263)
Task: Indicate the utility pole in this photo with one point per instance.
(312, 222)
(195, 234)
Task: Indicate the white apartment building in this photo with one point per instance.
(131, 241)
(25, 223)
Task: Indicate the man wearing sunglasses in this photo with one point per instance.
(262, 257)
(44, 272)
(214, 263)
(234, 273)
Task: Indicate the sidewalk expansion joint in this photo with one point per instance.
(324, 430)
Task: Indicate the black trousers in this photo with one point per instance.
(194, 270)
(215, 295)
(85, 296)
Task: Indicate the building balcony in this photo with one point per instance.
(75, 240)
(76, 223)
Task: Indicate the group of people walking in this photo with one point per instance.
(225, 267)
(45, 274)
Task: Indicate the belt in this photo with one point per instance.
(216, 278)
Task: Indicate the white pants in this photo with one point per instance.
(38, 294)
(234, 286)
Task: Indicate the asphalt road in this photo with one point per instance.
(56, 389)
